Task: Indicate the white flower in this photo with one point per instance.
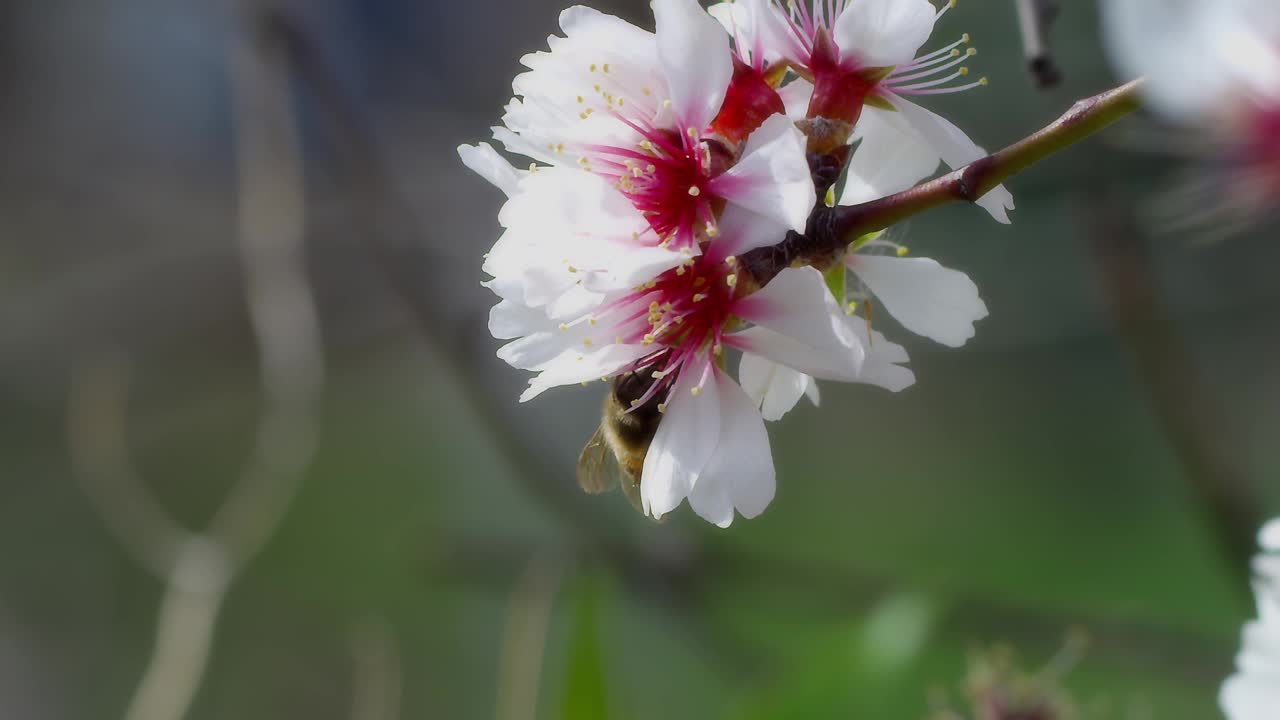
(1253, 693)
(625, 106)
(922, 295)
(858, 63)
(710, 447)
(1213, 68)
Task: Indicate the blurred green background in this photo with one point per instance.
(438, 559)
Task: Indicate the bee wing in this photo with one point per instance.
(598, 468)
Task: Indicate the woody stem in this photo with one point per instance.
(831, 230)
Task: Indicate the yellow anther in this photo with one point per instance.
(533, 167)
(903, 250)
(712, 230)
(718, 349)
(586, 342)
(581, 358)
(955, 53)
(982, 81)
(964, 38)
(563, 327)
(621, 101)
(830, 198)
(559, 148)
(693, 133)
(591, 321)
(731, 281)
(696, 390)
(662, 407)
(699, 297)
(606, 67)
(666, 103)
(963, 71)
(649, 339)
(680, 270)
(650, 168)
(971, 52)
(635, 403)
(851, 308)
(579, 99)
(593, 67)
(731, 261)
(695, 191)
(646, 91)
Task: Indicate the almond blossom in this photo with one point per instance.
(1253, 693)
(623, 105)
(856, 64)
(711, 446)
(1212, 67)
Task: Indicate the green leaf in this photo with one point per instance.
(585, 694)
(835, 282)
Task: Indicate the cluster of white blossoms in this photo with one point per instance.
(1213, 68)
(1253, 693)
(660, 160)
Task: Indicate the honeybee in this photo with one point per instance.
(614, 456)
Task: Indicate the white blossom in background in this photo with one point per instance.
(859, 62)
(1253, 693)
(1211, 67)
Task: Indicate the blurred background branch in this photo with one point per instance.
(1199, 431)
(199, 568)
(1035, 20)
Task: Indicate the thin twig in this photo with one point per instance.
(524, 641)
(1035, 17)
(199, 568)
(971, 182)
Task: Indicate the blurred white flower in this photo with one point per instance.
(1253, 693)
(1213, 68)
(857, 62)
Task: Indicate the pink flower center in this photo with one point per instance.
(683, 313)
(1262, 148)
(666, 178)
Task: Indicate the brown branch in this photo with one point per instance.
(971, 182)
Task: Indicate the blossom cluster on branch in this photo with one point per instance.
(658, 159)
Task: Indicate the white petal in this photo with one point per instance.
(891, 157)
(880, 33)
(773, 388)
(772, 178)
(811, 392)
(695, 56)
(509, 319)
(927, 298)
(881, 366)
(741, 230)
(685, 441)
(1269, 537)
(484, 161)
(956, 150)
(740, 475)
(799, 324)
(576, 366)
(795, 97)
(759, 28)
(1250, 698)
